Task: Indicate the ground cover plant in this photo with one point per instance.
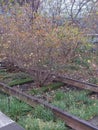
(37, 118)
(12, 78)
(39, 43)
(30, 40)
(75, 101)
(51, 86)
(36, 37)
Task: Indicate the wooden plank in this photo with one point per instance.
(77, 83)
(70, 120)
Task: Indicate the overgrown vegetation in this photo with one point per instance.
(79, 103)
(39, 44)
(37, 118)
(13, 79)
(47, 88)
(46, 38)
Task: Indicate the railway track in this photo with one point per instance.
(70, 81)
(72, 121)
(66, 80)
(78, 84)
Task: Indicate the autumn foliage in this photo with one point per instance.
(39, 44)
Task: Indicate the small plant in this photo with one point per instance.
(2, 71)
(93, 80)
(39, 124)
(19, 81)
(43, 113)
(77, 103)
(46, 88)
(13, 107)
(38, 118)
(72, 67)
(20, 75)
(59, 95)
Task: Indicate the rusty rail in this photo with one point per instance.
(66, 80)
(77, 83)
(70, 120)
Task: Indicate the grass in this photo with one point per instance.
(13, 79)
(19, 81)
(47, 88)
(37, 118)
(2, 73)
(39, 124)
(2, 70)
(93, 80)
(13, 107)
(43, 113)
(76, 103)
(71, 67)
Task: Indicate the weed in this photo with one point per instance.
(38, 118)
(77, 103)
(59, 95)
(43, 113)
(38, 124)
(93, 80)
(49, 87)
(2, 71)
(20, 75)
(19, 81)
(13, 107)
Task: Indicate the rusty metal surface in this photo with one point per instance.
(69, 119)
(77, 83)
(66, 80)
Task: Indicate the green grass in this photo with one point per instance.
(2, 70)
(77, 103)
(2, 73)
(72, 67)
(13, 79)
(47, 88)
(93, 80)
(19, 81)
(43, 113)
(13, 107)
(38, 124)
(37, 118)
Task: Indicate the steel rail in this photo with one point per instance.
(66, 80)
(70, 120)
(77, 83)
(70, 81)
